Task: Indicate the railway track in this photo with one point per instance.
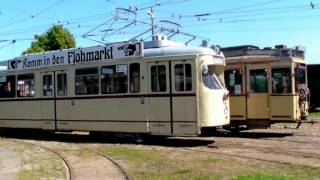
(57, 154)
(70, 175)
(121, 169)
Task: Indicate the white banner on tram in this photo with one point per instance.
(79, 55)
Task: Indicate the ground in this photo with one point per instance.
(281, 152)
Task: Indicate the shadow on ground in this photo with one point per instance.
(103, 138)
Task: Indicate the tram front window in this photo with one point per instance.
(211, 80)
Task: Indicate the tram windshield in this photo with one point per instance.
(210, 79)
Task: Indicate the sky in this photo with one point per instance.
(263, 23)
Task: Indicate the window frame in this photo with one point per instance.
(45, 91)
(132, 76)
(274, 89)
(238, 77)
(112, 89)
(13, 86)
(94, 75)
(65, 84)
(33, 88)
(184, 81)
(158, 76)
(254, 90)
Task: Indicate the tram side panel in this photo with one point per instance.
(25, 108)
(104, 111)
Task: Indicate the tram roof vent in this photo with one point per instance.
(159, 37)
(280, 46)
(159, 41)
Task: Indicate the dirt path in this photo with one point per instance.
(10, 164)
(85, 164)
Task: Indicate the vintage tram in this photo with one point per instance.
(158, 87)
(266, 85)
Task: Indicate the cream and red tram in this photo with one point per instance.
(266, 85)
(155, 87)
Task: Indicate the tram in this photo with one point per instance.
(266, 85)
(158, 87)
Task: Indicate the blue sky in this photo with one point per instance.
(262, 23)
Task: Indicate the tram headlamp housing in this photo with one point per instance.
(205, 69)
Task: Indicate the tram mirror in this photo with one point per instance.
(205, 69)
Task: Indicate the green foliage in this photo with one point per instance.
(55, 38)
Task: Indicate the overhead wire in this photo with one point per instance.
(32, 15)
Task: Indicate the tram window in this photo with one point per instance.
(8, 87)
(47, 85)
(301, 74)
(87, 81)
(62, 84)
(281, 81)
(258, 81)
(26, 87)
(183, 78)
(233, 79)
(158, 78)
(211, 80)
(134, 78)
(114, 79)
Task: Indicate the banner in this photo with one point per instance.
(79, 55)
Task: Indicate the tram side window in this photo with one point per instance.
(26, 85)
(258, 81)
(183, 78)
(233, 79)
(47, 85)
(135, 78)
(114, 79)
(87, 81)
(8, 87)
(158, 78)
(281, 81)
(62, 84)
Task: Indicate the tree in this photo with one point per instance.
(55, 38)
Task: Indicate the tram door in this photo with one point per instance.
(47, 104)
(159, 115)
(53, 86)
(257, 92)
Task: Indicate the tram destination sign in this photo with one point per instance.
(78, 55)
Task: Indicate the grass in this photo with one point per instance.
(315, 113)
(146, 163)
(36, 162)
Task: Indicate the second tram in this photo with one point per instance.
(266, 85)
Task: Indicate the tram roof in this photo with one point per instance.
(171, 48)
(279, 51)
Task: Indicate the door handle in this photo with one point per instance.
(142, 100)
